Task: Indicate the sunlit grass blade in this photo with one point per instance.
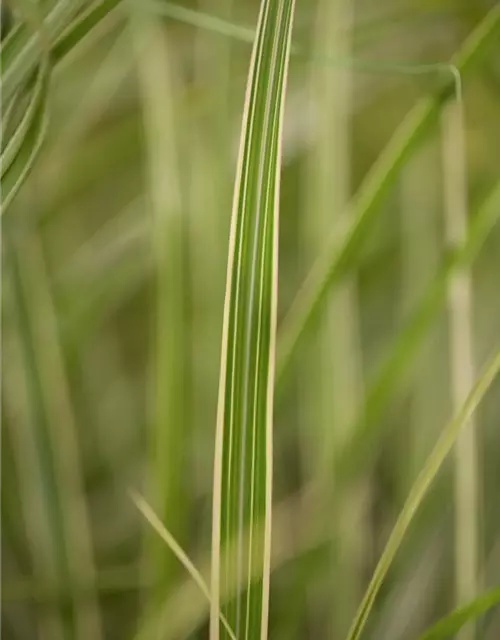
(243, 445)
(169, 434)
(450, 625)
(433, 464)
(347, 238)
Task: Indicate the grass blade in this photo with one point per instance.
(347, 239)
(20, 51)
(452, 623)
(54, 429)
(15, 141)
(461, 361)
(19, 55)
(177, 551)
(168, 441)
(243, 447)
(424, 480)
(81, 26)
(403, 349)
(23, 148)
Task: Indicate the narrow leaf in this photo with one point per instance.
(461, 354)
(81, 26)
(58, 34)
(347, 239)
(422, 484)
(177, 551)
(243, 448)
(21, 49)
(20, 154)
(402, 351)
(54, 431)
(168, 436)
(452, 623)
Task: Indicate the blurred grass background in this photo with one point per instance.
(111, 322)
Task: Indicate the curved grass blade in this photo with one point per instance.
(187, 609)
(390, 373)
(29, 142)
(452, 623)
(422, 484)
(177, 551)
(81, 26)
(9, 116)
(23, 145)
(348, 238)
(20, 51)
(64, 30)
(483, 35)
(243, 446)
(15, 142)
(22, 148)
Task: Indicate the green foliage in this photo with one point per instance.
(119, 128)
(452, 623)
(243, 447)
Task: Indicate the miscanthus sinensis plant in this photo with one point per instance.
(157, 337)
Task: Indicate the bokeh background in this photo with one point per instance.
(85, 306)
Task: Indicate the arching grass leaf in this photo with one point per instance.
(22, 150)
(452, 623)
(243, 448)
(348, 238)
(417, 493)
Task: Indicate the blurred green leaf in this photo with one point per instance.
(79, 28)
(452, 623)
(347, 238)
(20, 50)
(21, 151)
(19, 57)
(66, 558)
(390, 373)
(169, 433)
(419, 489)
(15, 141)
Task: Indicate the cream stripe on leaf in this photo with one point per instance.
(243, 456)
